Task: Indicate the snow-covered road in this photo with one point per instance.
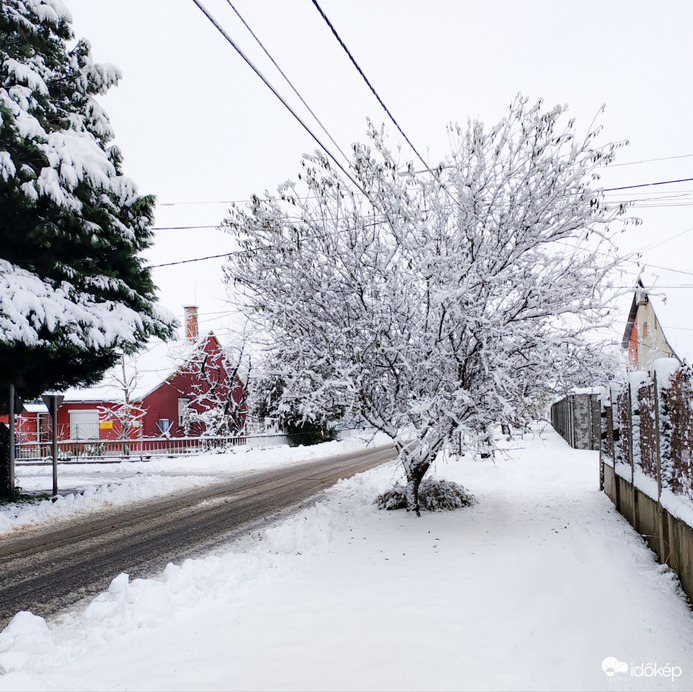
(531, 588)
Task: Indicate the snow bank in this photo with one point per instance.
(95, 498)
(97, 487)
(128, 606)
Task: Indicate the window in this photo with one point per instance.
(84, 424)
(183, 403)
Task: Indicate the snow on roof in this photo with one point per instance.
(671, 296)
(144, 372)
(35, 408)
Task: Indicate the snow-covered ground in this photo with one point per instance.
(534, 587)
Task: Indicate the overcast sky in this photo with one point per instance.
(198, 128)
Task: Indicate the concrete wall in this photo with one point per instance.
(576, 418)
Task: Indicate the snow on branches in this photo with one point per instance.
(444, 301)
(73, 286)
(218, 399)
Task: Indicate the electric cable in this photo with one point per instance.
(662, 158)
(661, 182)
(252, 66)
(365, 79)
(286, 79)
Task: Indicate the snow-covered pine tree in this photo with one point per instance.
(443, 302)
(74, 291)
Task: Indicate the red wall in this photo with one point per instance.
(633, 345)
(187, 382)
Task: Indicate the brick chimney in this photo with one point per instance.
(192, 330)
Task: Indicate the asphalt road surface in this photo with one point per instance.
(47, 569)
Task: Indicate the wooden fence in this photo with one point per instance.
(646, 465)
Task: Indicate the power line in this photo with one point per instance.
(663, 158)
(661, 182)
(183, 228)
(188, 261)
(660, 195)
(365, 79)
(288, 81)
(217, 201)
(252, 66)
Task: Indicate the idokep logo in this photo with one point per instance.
(612, 667)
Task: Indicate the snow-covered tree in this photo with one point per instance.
(73, 286)
(267, 401)
(74, 291)
(441, 302)
(128, 415)
(218, 399)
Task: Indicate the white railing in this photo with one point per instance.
(72, 451)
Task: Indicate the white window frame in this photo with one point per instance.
(183, 403)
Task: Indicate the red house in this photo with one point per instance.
(182, 388)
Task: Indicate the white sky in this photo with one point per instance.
(197, 127)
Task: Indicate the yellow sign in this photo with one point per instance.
(106, 425)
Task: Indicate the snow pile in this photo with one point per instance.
(102, 486)
(534, 587)
(94, 498)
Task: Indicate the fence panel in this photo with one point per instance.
(656, 428)
(623, 419)
(648, 438)
(680, 404)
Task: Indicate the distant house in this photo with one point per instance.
(659, 322)
(185, 387)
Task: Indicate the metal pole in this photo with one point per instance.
(53, 402)
(12, 450)
(55, 446)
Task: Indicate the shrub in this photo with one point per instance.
(434, 494)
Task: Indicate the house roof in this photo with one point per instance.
(144, 372)
(671, 296)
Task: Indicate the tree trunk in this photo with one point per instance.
(415, 470)
(6, 491)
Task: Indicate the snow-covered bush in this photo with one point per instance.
(434, 494)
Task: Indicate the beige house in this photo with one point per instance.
(660, 323)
